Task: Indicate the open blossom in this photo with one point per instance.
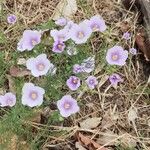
(60, 35)
(115, 79)
(32, 95)
(117, 56)
(69, 25)
(61, 21)
(133, 51)
(67, 106)
(126, 36)
(11, 19)
(80, 33)
(39, 66)
(91, 82)
(77, 69)
(58, 47)
(97, 23)
(73, 83)
(29, 40)
(88, 64)
(9, 99)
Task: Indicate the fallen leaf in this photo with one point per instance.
(79, 146)
(88, 143)
(21, 61)
(143, 44)
(65, 8)
(132, 115)
(107, 138)
(11, 84)
(90, 123)
(18, 72)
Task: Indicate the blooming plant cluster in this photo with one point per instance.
(40, 65)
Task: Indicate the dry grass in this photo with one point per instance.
(106, 102)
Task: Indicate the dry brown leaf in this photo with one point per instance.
(21, 61)
(88, 143)
(79, 146)
(11, 84)
(65, 8)
(18, 72)
(143, 44)
(132, 115)
(90, 123)
(128, 141)
(107, 138)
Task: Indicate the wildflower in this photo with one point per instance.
(69, 25)
(39, 66)
(61, 21)
(61, 35)
(80, 33)
(126, 36)
(91, 82)
(115, 79)
(32, 95)
(73, 83)
(116, 56)
(67, 106)
(77, 68)
(9, 99)
(133, 51)
(88, 64)
(29, 40)
(58, 47)
(97, 23)
(11, 19)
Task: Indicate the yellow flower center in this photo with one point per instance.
(114, 57)
(60, 46)
(95, 27)
(66, 105)
(41, 67)
(75, 81)
(33, 95)
(33, 42)
(80, 35)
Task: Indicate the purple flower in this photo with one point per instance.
(9, 99)
(91, 82)
(69, 25)
(32, 95)
(97, 23)
(61, 21)
(11, 19)
(80, 33)
(67, 106)
(115, 79)
(77, 69)
(39, 66)
(29, 40)
(58, 47)
(116, 56)
(61, 35)
(126, 36)
(133, 51)
(88, 64)
(73, 83)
